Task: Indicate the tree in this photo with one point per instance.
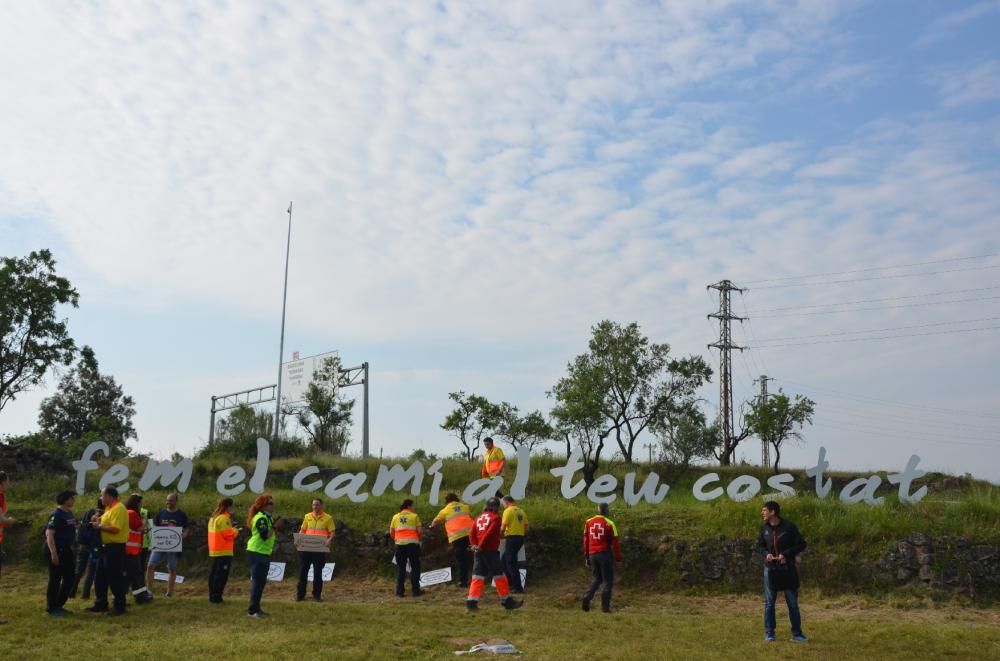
(32, 339)
(684, 436)
(471, 421)
(528, 431)
(578, 412)
(87, 406)
(778, 419)
(236, 435)
(325, 416)
(638, 379)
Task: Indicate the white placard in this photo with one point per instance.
(296, 375)
(166, 538)
(524, 578)
(327, 572)
(435, 576)
(311, 543)
(163, 576)
(521, 555)
(276, 572)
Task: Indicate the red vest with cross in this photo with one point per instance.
(600, 534)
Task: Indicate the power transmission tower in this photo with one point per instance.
(725, 347)
(765, 449)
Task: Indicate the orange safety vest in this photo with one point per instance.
(221, 536)
(492, 462)
(404, 528)
(458, 525)
(133, 546)
(315, 531)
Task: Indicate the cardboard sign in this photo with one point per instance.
(166, 538)
(327, 573)
(435, 576)
(163, 576)
(276, 572)
(311, 543)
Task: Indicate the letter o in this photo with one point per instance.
(743, 488)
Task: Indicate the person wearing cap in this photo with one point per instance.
(600, 551)
(513, 528)
(493, 460)
(780, 542)
(485, 538)
(404, 529)
(457, 519)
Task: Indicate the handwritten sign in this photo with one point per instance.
(435, 576)
(276, 572)
(166, 538)
(311, 543)
(163, 576)
(326, 574)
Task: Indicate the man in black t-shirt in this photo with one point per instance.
(58, 551)
(174, 518)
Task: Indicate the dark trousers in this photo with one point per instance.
(406, 552)
(111, 574)
(602, 568)
(460, 547)
(82, 563)
(512, 547)
(218, 576)
(791, 600)
(136, 578)
(316, 560)
(259, 564)
(60, 577)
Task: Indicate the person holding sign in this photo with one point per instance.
(780, 542)
(493, 460)
(317, 524)
(173, 518)
(405, 532)
(457, 519)
(221, 536)
(261, 521)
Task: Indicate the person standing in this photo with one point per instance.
(88, 543)
(513, 528)
(260, 520)
(405, 532)
(221, 538)
(317, 523)
(493, 460)
(780, 542)
(485, 538)
(113, 526)
(58, 552)
(457, 519)
(133, 551)
(600, 551)
(171, 517)
(5, 521)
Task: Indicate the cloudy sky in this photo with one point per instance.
(477, 184)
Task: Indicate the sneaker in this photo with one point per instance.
(510, 604)
(586, 605)
(418, 593)
(97, 609)
(471, 605)
(170, 594)
(299, 598)
(769, 638)
(54, 613)
(259, 615)
(317, 597)
(63, 611)
(799, 638)
(114, 613)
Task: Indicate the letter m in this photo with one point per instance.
(167, 473)
(398, 476)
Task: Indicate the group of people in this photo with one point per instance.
(113, 548)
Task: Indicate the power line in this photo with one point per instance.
(874, 300)
(881, 330)
(878, 277)
(881, 307)
(878, 415)
(884, 337)
(839, 427)
(874, 268)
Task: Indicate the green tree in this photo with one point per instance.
(530, 431)
(684, 436)
(236, 435)
(87, 406)
(778, 419)
(32, 339)
(578, 412)
(325, 415)
(473, 419)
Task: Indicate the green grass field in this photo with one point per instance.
(360, 619)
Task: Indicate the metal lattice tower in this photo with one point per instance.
(765, 449)
(725, 346)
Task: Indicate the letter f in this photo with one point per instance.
(85, 464)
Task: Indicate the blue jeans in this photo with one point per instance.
(510, 566)
(791, 599)
(259, 565)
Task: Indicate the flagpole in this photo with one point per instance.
(281, 345)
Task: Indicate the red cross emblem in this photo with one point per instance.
(596, 530)
(483, 523)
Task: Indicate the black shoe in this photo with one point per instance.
(114, 613)
(97, 608)
(471, 605)
(317, 597)
(299, 597)
(518, 590)
(463, 584)
(586, 605)
(418, 593)
(259, 615)
(400, 594)
(510, 604)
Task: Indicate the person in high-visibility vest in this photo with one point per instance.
(405, 532)
(221, 538)
(114, 528)
(513, 528)
(600, 550)
(316, 522)
(5, 521)
(493, 460)
(485, 538)
(261, 521)
(133, 551)
(144, 556)
(457, 519)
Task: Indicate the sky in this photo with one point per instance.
(476, 185)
